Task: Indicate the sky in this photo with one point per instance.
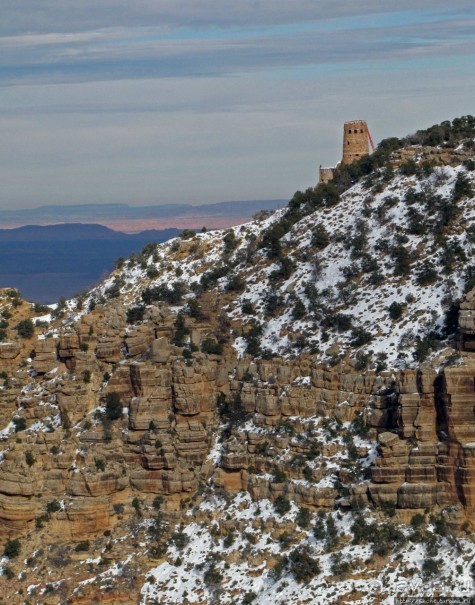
(198, 101)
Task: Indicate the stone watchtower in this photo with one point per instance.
(355, 141)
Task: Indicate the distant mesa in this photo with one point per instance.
(356, 142)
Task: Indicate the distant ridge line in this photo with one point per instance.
(80, 232)
(93, 212)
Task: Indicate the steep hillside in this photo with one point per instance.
(281, 412)
(376, 272)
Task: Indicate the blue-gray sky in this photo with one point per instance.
(157, 101)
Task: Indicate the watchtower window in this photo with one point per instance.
(361, 130)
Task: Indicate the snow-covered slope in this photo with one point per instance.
(343, 569)
(373, 275)
(255, 481)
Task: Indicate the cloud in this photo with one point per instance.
(142, 53)
(66, 16)
(205, 100)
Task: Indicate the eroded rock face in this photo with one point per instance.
(185, 426)
(457, 419)
(45, 355)
(427, 460)
(157, 447)
(436, 155)
(171, 434)
(9, 355)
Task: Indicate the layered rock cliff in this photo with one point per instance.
(257, 411)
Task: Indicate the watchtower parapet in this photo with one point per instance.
(355, 141)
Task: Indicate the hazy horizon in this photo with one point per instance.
(196, 204)
(134, 219)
